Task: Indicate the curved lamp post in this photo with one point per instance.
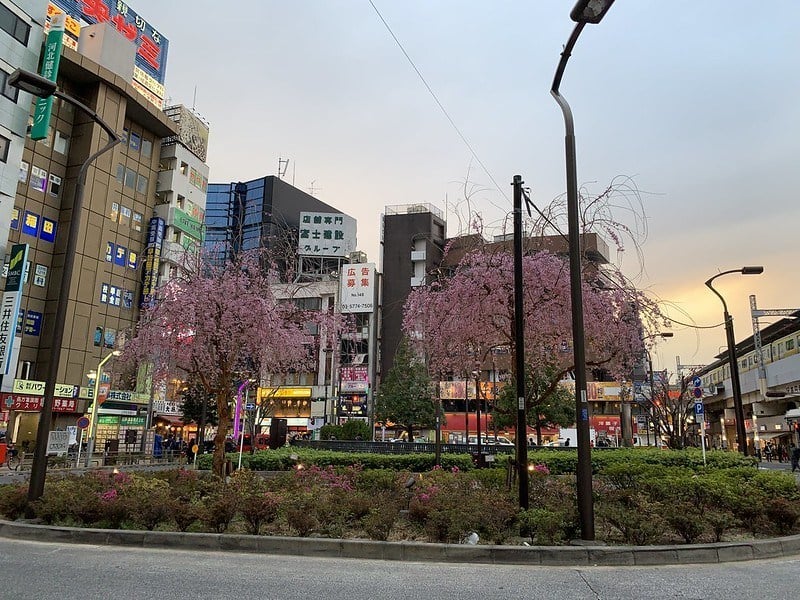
(43, 88)
(585, 11)
(736, 388)
(90, 444)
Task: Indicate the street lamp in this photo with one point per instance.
(736, 388)
(585, 11)
(90, 444)
(43, 88)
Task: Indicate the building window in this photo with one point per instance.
(120, 172)
(184, 168)
(23, 171)
(141, 184)
(114, 214)
(61, 143)
(5, 144)
(138, 218)
(130, 178)
(55, 185)
(14, 26)
(790, 344)
(38, 178)
(9, 92)
(135, 141)
(147, 148)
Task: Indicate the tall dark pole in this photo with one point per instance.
(39, 467)
(519, 350)
(736, 388)
(585, 11)
(478, 398)
(584, 468)
(656, 428)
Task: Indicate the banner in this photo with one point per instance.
(50, 60)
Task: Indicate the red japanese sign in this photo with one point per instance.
(34, 403)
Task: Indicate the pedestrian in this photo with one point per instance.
(795, 458)
(768, 451)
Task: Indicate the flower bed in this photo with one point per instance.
(640, 498)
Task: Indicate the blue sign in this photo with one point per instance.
(48, 233)
(698, 408)
(30, 224)
(696, 381)
(33, 323)
(698, 392)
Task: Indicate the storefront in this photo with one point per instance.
(24, 410)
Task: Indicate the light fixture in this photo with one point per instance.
(590, 11)
(32, 83)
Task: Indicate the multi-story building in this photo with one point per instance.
(181, 190)
(770, 384)
(21, 35)
(314, 246)
(119, 198)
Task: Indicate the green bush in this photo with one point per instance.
(13, 500)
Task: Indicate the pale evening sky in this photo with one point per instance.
(697, 101)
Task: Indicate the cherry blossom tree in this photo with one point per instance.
(458, 319)
(220, 325)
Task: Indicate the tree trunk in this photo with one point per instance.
(222, 430)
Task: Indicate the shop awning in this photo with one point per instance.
(175, 421)
(771, 435)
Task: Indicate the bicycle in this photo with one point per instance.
(13, 460)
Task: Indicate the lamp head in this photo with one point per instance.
(590, 11)
(116, 352)
(32, 83)
(666, 334)
(752, 270)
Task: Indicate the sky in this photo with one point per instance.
(694, 104)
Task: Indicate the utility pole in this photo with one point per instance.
(519, 350)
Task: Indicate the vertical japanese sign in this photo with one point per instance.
(50, 59)
(9, 309)
(152, 261)
(357, 288)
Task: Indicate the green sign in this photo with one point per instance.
(182, 220)
(16, 267)
(49, 70)
(132, 421)
(108, 420)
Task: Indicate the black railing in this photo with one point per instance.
(408, 447)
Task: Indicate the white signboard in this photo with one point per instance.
(357, 288)
(326, 234)
(58, 442)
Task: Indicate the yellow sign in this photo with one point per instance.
(284, 392)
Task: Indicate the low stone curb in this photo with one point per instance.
(414, 551)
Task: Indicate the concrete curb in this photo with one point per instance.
(414, 551)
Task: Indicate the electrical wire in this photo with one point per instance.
(436, 99)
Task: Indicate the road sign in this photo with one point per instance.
(250, 406)
(699, 409)
(696, 381)
(82, 422)
(698, 392)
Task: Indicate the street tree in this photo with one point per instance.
(220, 324)
(458, 319)
(405, 397)
(546, 406)
(671, 408)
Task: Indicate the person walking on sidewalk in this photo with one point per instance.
(795, 458)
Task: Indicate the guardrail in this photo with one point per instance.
(409, 447)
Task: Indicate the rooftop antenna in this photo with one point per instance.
(194, 99)
(283, 164)
(312, 188)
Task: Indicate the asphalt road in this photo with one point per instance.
(61, 572)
